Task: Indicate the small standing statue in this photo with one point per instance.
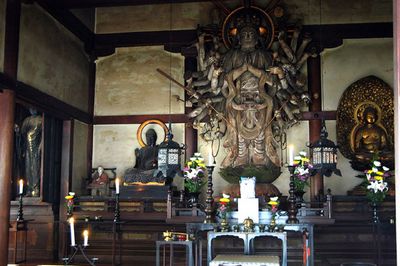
(31, 133)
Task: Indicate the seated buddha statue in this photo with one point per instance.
(146, 163)
(370, 139)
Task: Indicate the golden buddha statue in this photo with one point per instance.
(370, 139)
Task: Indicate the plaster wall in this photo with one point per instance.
(51, 59)
(79, 165)
(189, 15)
(2, 31)
(114, 145)
(341, 67)
(127, 82)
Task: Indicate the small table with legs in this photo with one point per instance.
(189, 251)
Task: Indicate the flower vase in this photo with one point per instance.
(299, 197)
(375, 217)
(193, 199)
(224, 224)
(272, 224)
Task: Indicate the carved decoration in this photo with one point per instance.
(249, 87)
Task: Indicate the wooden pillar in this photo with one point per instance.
(92, 84)
(7, 108)
(7, 112)
(190, 132)
(314, 87)
(396, 57)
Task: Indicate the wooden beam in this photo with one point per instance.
(332, 35)
(319, 115)
(70, 4)
(138, 119)
(49, 103)
(172, 38)
(327, 36)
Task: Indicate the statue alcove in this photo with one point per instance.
(365, 124)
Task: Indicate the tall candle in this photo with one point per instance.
(85, 238)
(72, 231)
(21, 186)
(117, 186)
(210, 159)
(291, 154)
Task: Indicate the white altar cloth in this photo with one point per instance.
(245, 260)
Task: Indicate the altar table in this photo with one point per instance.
(248, 239)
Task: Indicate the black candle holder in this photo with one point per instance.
(81, 249)
(20, 215)
(116, 210)
(210, 200)
(292, 212)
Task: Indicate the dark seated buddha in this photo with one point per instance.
(370, 140)
(144, 171)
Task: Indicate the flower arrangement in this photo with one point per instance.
(376, 186)
(302, 171)
(70, 203)
(223, 206)
(194, 173)
(274, 203)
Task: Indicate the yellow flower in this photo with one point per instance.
(379, 173)
(370, 171)
(378, 178)
(296, 162)
(272, 203)
(69, 197)
(189, 163)
(202, 165)
(305, 160)
(224, 200)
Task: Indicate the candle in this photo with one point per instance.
(21, 186)
(117, 186)
(210, 159)
(291, 154)
(72, 231)
(85, 238)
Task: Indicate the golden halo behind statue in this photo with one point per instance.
(254, 16)
(366, 92)
(144, 124)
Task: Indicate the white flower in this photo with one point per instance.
(303, 171)
(193, 159)
(71, 194)
(377, 163)
(377, 186)
(200, 159)
(297, 158)
(303, 153)
(374, 169)
(192, 174)
(385, 168)
(226, 196)
(197, 154)
(273, 198)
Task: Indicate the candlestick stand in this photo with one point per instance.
(81, 249)
(209, 201)
(20, 215)
(116, 210)
(292, 212)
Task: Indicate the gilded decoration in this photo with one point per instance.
(365, 121)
